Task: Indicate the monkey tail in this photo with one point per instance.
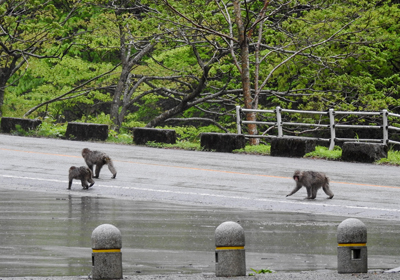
(110, 165)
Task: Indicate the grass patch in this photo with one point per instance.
(392, 159)
(19, 131)
(45, 129)
(261, 271)
(325, 153)
(255, 150)
(120, 138)
(183, 145)
(51, 130)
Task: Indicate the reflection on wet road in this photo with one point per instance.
(45, 234)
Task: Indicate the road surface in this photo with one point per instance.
(167, 204)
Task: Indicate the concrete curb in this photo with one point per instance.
(305, 275)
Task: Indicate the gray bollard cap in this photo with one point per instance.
(229, 234)
(352, 231)
(106, 236)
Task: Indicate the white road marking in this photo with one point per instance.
(210, 195)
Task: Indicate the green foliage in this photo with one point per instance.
(261, 271)
(364, 78)
(122, 138)
(47, 129)
(20, 131)
(325, 153)
(255, 149)
(392, 159)
(184, 145)
(192, 133)
(47, 79)
(131, 122)
(101, 118)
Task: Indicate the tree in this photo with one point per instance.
(139, 43)
(142, 37)
(134, 46)
(265, 36)
(27, 30)
(192, 97)
(159, 60)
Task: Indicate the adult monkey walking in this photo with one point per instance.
(312, 181)
(99, 159)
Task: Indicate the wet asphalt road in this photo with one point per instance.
(167, 204)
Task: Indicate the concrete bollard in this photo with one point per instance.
(230, 258)
(106, 255)
(352, 247)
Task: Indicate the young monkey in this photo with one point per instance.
(80, 173)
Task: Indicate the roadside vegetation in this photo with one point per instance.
(189, 139)
(186, 65)
(261, 271)
(178, 63)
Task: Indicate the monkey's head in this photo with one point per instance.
(297, 175)
(85, 151)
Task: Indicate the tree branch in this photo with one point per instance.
(30, 111)
(300, 51)
(202, 27)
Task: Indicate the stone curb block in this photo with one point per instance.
(292, 147)
(363, 152)
(9, 124)
(222, 142)
(86, 131)
(142, 135)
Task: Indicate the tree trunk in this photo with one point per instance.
(245, 72)
(5, 75)
(127, 61)
(1, 100)
(115, 116)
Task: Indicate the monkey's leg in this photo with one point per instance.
(328, 191)
(298, 187)
(308, 192)
(90, 166)
(112, 169)
(314, 190)
(84, 184)
(90, 180)
(98, 168)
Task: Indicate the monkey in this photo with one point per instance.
(99, 159)
(312, 181)
(81, 173)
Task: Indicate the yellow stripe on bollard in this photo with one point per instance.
(106, 250)
(230, 248)
(352, 244)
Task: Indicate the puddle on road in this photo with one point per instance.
(44, 234)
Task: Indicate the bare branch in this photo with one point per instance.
(201, 27)
(300, 51)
